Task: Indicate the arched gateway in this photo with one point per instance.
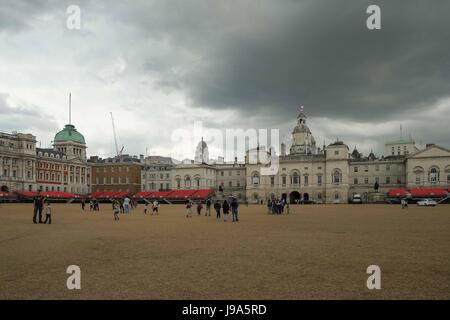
(294, 197)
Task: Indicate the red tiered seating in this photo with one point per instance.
(428, 193)
(397, 193)
(181, 194)
(3, 194)
(143, 194)
(108, 194)
(161, 194)
(26, 194)
(48, 194)
(202, 194)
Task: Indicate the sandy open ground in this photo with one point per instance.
(316, 252)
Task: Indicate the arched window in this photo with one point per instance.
(197, 182)
(434, 175)
(295, 179)
(187, 182)
(336, 176)
(255, 178)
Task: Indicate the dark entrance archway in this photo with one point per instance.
(305, 197)
(4, 189)
(294, 197)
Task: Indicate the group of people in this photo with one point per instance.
(218, 207)
(41, 205)
(155, 206)
(276, 206)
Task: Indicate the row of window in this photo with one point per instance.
(154, 175)
(387, 180)
(188, 183)
(152, 186)
(294, 179)
(112, 169)
(230, 173)
(112, 180)
(366, 168)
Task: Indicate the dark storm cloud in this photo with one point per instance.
(326, 59)
(258, 60)
(267, 56)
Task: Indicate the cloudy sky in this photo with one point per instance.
(161, 65)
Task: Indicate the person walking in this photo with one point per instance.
(269, 206)
(126, 205)
(225, 209)
(234, 209)
(145, 208)
(217, 207)
(404, 203)
(208, 207)
(38, 202)
(48, 213)
(188, 209)
(83, 204)
(116, 210)
(199, 208)
(155, 207)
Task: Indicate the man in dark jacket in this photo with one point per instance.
(225, 208)
(217, 207)
(208, 207)
(38, 202)
(234, 209)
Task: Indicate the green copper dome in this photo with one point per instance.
(69, 133)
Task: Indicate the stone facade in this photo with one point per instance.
(334, 175)
(118, 174)
(23, 167)
(156, 173)
(17, 162)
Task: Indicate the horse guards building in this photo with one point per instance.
(332, 174)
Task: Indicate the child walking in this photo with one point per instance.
(48, 212)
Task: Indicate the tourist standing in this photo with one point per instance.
(217, 207)
(234, 209)
(208, 207)
(199, 208)
(126, 205)
(38, 202)
(83, 203)
(225, 209)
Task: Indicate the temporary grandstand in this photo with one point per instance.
(413, 195)
(175, 196)
(54, 196)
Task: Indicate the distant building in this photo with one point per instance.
(24, 167)
(120, 174)
(17, 162)
(156, 173)
(65, 167)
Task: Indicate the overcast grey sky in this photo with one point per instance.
(160, 65)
